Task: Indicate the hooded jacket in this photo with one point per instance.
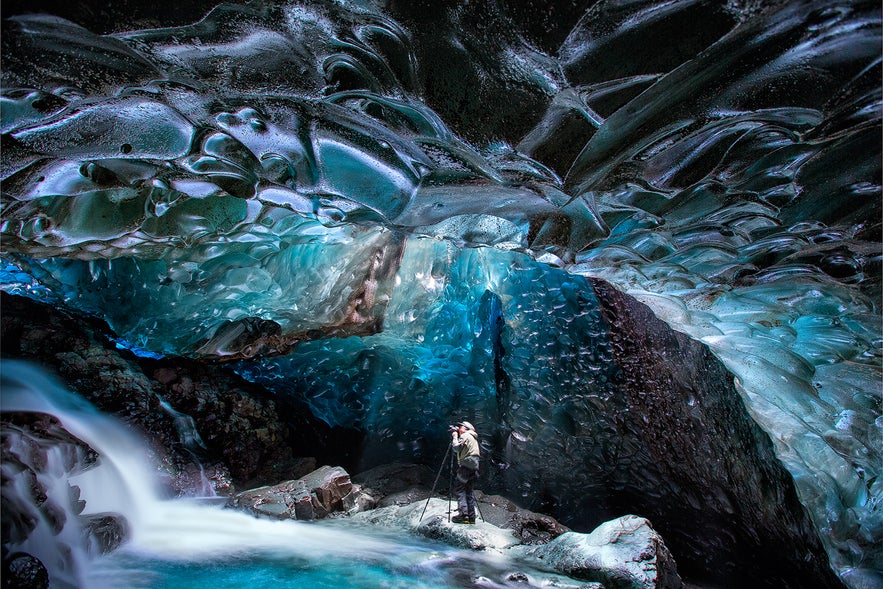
(467, 449)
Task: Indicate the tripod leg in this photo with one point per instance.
(450, 493)
(440, 468)
(450, 488)
(478, 507)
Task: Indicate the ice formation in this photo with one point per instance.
(397, 220)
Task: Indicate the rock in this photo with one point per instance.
(109, 530)
(625, 553)
(28, 435)
(55, 515)
(38, 502)
(287, 500)
(331, 488)
(430, 519)
(406, 497)
(401, 485)
(302, 466)
(194, 480)
(396, 484)
(530, 527)
(323, 492)
(23, 571)
(479, 536)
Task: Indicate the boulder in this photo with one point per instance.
(325, 491)
(430, 519)
(625, 553)
(109, 530)
(403, 484)
(479, 536)
(529, 526)
(331, 489)
(23, 571)
(287, 500)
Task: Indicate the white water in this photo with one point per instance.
(191, 441)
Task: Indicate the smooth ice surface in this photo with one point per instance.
(286, 185)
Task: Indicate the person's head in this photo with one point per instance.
(465, 426)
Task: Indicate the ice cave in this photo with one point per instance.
(258, 256)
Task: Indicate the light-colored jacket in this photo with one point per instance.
(467, 449)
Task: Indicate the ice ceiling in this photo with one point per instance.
(364, 208)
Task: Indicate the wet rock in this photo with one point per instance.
(323, 492)
(430, 519)
(109, 530)
(529, 526)
(54, 515)
(23, 571)
(299, 467)
(405, 497)
(287, 500)
(231, 424)
(27, 436)
(479, 536)
(17, 517)
(77, 504)
(402, 484)
(625, 553)
(196, 480)
(332, 490)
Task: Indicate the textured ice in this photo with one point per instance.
(290, 186)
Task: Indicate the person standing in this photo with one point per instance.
(465, 444)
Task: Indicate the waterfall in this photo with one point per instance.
(123, 483)
(191, 442)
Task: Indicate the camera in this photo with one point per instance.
(452, 428)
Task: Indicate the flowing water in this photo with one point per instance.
(185, 543)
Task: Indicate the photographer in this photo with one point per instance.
(465, 444)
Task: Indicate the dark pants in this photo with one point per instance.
(464, 487)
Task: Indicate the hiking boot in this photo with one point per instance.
(461, 519)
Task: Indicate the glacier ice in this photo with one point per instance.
(366, 213)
